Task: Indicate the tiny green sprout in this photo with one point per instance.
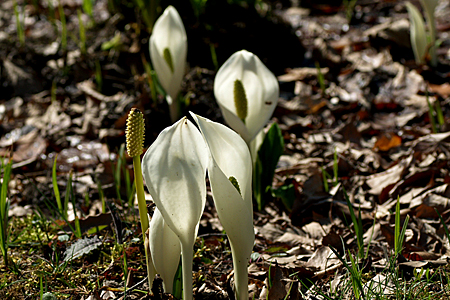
(168, 58)
(135, 132)
(235, 183)
(240, 100)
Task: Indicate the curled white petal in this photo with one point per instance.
(165, 250)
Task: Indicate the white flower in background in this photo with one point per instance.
(247, 93)
(168, 50)
(174, 168)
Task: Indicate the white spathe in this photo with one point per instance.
(261, 88)
(230, 157)
(169, 33)
(174, 169)
(165, 250)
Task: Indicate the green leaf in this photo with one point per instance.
(287, 195)
(268, 155)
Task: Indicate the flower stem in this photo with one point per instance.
(240, 266)
(187, 251)
(140, 193)
(142, 212)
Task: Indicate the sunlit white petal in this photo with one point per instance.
(174, 169)
(169, 33)
(230, 157)
(261, 88)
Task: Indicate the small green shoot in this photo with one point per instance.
(151, 78)
(355, 274)
(19, 24)
(55, 187)
(212, 49)
(447, 233)
(178, 282)
(118, 169)
(399, 233)
(113, 44)
(82, 31)
(320, 78)
(4, 208)
(147, 11)
(349, 9)
(51, 11)
(440, 116)
(287, 195)
(357, 225)
(266, 162)
(98, 75)
(88, 7)
(125, 264)
(325, 177)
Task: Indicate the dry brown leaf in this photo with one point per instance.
(441, 89)
(379, 181)
(301, 74)
(388, 141)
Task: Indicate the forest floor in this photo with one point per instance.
(360, 119)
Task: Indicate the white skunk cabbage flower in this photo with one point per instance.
(165, 250)
(230, 176)
(419, 41)
(247, 93)
(168, 50)
(174, 169)
(430, 7)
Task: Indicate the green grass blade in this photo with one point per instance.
(447, 233)
(4, 208)
(357, 225)
(55, 186)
